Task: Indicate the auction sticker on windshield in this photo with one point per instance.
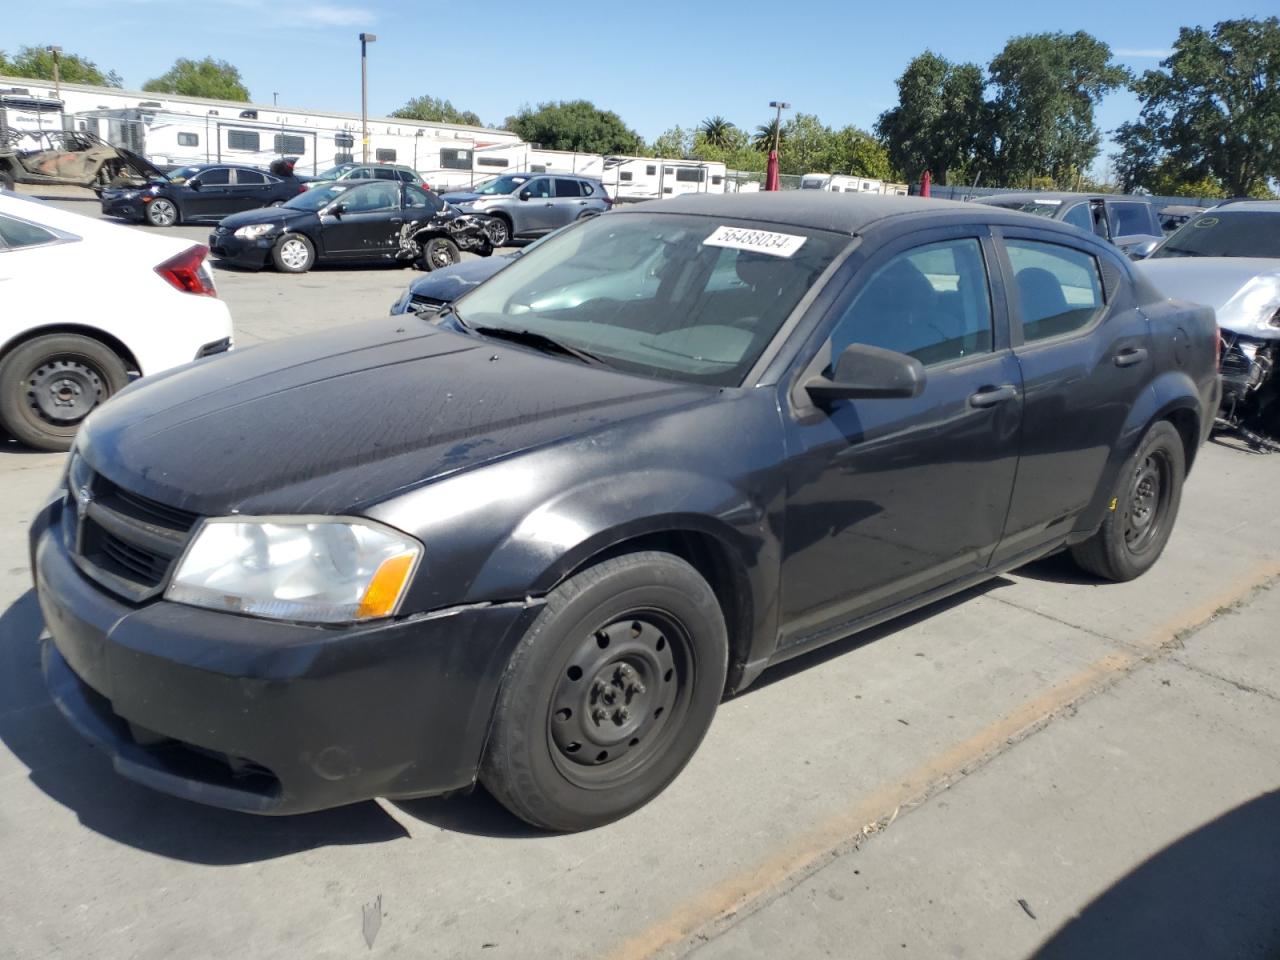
(759, 241)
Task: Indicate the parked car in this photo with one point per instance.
(154, 307)
(1130, 222)
(533, 204)
(536, 546)
(368, 171)
(1175, 215)
(202, 193)
(1229, 258)
(350, 221)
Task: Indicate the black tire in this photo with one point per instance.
(437, 252)
(500, 231)
(577, 740)
(6, 181)
(276, 203)
(1141, 511)
(48, 385)
(163, 212)
(293, 253)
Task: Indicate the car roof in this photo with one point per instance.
(1249, 206)
(847, 213)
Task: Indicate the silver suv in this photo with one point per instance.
(532, 204)
(368, 171)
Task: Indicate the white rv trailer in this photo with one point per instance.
(643, 178)
(842, 183)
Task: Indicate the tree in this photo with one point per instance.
(765, 136)
(575, 125)
(717, 131)
(37, 63)
(215, 79)
(1046, 88)
(1213, 107)
(674, 144)
(856, 152)
(736, 152)
(435, 110)
(940, 121)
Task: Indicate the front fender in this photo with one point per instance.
(1171, 395)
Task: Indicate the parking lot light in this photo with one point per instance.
(365, 40)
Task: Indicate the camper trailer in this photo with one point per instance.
(646, 178)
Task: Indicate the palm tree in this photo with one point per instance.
(717, 132)
(763, 140)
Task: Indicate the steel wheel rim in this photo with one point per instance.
(620, 697)
(1147, 502)
(294, 253)
(440, 255)
(163, 213)
(63, 391)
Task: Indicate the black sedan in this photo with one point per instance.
(352, 221)
(535, 538)
(199, 194)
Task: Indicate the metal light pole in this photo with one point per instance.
(365, 40)
(771, 172)
(57, 79)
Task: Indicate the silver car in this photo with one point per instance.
(1130, 222)
(533, 204)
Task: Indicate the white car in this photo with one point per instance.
(86, 306)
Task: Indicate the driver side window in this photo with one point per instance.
(379, 195)
(540, 188)
(932, 302)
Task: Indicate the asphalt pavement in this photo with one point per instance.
(1044, 766)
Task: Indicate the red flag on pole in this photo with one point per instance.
(926, 182)
(771, 172)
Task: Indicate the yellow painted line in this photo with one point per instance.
(804, 851)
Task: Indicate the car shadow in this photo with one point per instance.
(74, 774)
(1212, 893)
(1058, 568)
(476, 813)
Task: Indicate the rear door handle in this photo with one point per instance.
(990, 396)
(1129, 356)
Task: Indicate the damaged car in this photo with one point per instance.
(68, 158)
(345, 222)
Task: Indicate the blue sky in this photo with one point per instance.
(656, 64)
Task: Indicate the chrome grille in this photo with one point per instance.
(126, 542)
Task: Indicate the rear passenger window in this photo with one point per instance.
(250, 176)
(1079, 216)
(932, 302)
(1130, 218)
(567, 188)
(19, 233)
(1059, 288)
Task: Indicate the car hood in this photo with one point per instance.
(449, 283)
(264, 215)
(459, 197)
(333, 423)
(1236, 288)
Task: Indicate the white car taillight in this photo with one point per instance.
(189, 272)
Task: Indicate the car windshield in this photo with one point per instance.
(317, 198)
(501, 185)
(333, 173)
(1226, 233)
(182, 174)
(1041, 208)
(677, 297)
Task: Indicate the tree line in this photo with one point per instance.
(1208, 124)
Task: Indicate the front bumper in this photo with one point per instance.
(124, 209)
(243, 253)
(268, 717)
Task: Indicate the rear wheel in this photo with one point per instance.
(608, 694)
(50, 384)
(293, 253)
(162, 212)
(1141, 511)
(438, 252)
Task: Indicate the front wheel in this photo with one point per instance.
(1141, 510)
(438, 252)
(162, 212)
(293, 253)
(48, 385)
(609, 693)
(499, 232)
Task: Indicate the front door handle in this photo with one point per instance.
(397, 220)
(990, 396)
(1129, 356)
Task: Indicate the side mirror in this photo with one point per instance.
(524, 194)
(1140, 251)
(193, 184)
(338, 209)
(865, 373)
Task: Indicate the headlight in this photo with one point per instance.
(294, 568)
(254, 230)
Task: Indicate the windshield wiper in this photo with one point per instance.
(539, 341)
